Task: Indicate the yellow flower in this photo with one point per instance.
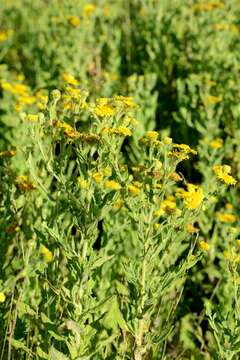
(212, 100)
(216, 144)
(125, 100)
(112, 185)
(228, 27)
(191, 229)
(185, 148)
(152, 135)
(32, 117)
(157, 226)
(118, 204)
(97, 177)
(227, 218)
(168, 206)
(175, 177)
(229, 206)
(42, 99)
(167, 140)
(16, 89)
(223, 174)
(226, 254)
(8, 153)
(208, 6)
(231, 255)
(159, 212)
(70, 79)
(181, 151)
(3, 36)
(24, 184)
(74, 21)
(2, 297)
(46, 253)
(82, 183)
(204, 245)
(89, 9)
(68, 130)
(27, 100)
(193, 197)
(133, 189)
(121, 130)
(103, 110)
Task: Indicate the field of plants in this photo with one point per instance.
(119, 179)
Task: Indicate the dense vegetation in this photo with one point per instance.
(119, 179)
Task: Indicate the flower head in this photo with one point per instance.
(204, 245)
(46, 253)
(216, 143)
(112, 185)
(98, 177)
(152, 135)
(2, 297)
(223, 174)
(69, 79)
(134, 190)
(24, 184)
(193, 197)
(227, 218)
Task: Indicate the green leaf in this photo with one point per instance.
(56, 336)
(42, 353)
(45, 319)
(17, 344)
(114, 318)
(54, 354)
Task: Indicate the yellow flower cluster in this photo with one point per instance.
(89, 9)
(216, 143)
(227, 27)
(107, 107)
(7, 154)
(208, 6)
(68, 130)
(223, 174)
(83, 183)
(167, 206)
(227, 218)
(231, 255)
(112, 185)
(97, 177)
(74, 99)
(126, 101)
(182, 151)
(5, 35)
(74, 21)
(24, 184)
(191, 229)
(212, 100)
(69, 79)
(204, 245)
(121, 130)
(23, 95)
(46, 253)
(152, 135)
(104, 108)
(193, 197)
(134, 189)
(2, 297)
(175, 177)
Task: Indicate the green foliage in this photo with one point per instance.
(117, 240)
